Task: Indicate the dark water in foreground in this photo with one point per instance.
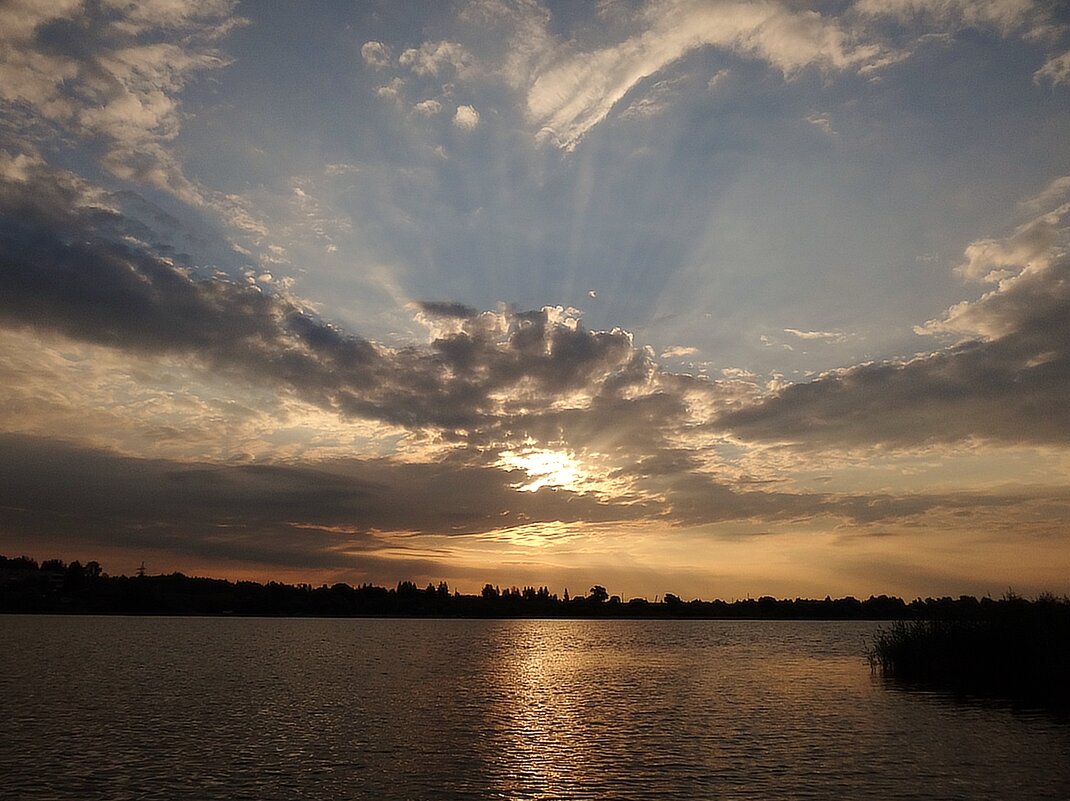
(223, 708)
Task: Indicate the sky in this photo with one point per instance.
(697, 296)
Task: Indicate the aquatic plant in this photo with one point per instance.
(1012, 648)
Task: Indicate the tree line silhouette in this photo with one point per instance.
(57, 587)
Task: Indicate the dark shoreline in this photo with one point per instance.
(58, 588)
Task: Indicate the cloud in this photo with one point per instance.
(363, 516)
(577, 90)
(522, 27)
(113, 494)
(112, 72)
(434, 58)
(363, 519)
(831, 337)
(466, 118)
(1035, 22)
(392, 89)
(992, 260)
(568, 82)
(654, 101)
(676, 351)
(375, 55)
(358, 513)
(773, 342)
(1007, 379)
(428, 108)
(738, 373)
(823, 122)
(488, 381)
(1005, 16)
(75, 265)
(438, 308)
(570, 85)
(1056, 69)
(718, 79)
(1027, 268)
(1049, 201)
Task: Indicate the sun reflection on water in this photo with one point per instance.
(539, 716)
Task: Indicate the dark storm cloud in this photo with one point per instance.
(71, 263)
(327, 514)
(692, 498)
(1010, 384)
(51, 488)
(439, 308)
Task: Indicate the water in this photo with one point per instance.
(235, 708)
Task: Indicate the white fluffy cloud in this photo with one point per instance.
(428, 108)
(120, 82)
(112, 74)
(1005, 380)
(434, 58)
(831, 337)
(375, 55)
(678, 351)
(1026, 267)
(466, 118)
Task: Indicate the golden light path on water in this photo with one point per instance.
(539, 718)
(466, 710)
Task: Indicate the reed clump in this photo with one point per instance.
(1013, 648)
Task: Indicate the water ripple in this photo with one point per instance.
(188, 708)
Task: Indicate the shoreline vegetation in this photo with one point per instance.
(1019, 651)
(1009, 648)
(57, 587)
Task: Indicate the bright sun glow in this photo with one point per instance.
(545, 468)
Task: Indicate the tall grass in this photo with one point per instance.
(1015, 649)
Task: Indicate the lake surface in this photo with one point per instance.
(254, 708)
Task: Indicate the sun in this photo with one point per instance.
(557, 469)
